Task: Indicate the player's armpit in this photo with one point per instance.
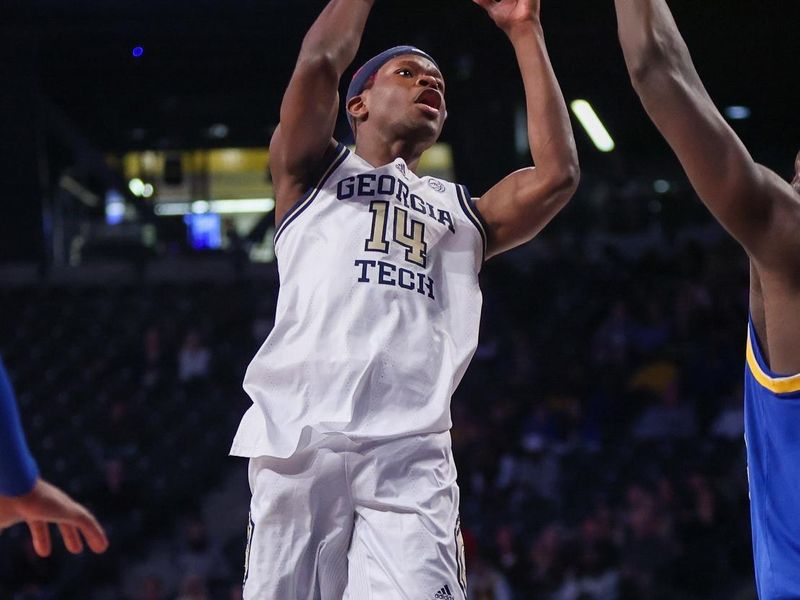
(776, 246)
(518, 207)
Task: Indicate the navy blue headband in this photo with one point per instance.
(371, 67)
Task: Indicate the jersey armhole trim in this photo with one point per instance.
(469, 208)
(339, 155)
(776, 384)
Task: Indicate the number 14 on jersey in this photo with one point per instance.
(407, 232)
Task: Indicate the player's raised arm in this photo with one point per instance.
(311, 101)
(518, 207)
(753, 203)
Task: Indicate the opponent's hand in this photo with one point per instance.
(48, 504)
(509, 13)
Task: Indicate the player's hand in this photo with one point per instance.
(507, 14)
(48, 504)
(796, 180)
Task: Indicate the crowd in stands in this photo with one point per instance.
(129, 397)
(598, 433)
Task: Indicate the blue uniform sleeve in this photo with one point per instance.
(18, 470)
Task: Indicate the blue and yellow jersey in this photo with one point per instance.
(772, 433)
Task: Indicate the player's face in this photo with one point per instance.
(407, 97)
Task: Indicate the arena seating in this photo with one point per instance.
(597, 432)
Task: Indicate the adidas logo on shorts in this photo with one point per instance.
(444, 594)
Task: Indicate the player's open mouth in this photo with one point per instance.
(430, 99)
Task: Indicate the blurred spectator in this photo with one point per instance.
(193, 588)
(119, 502)
(534, 471)
(152, 588)
(611, 343)
(261, 328)
(199, 556)
(651, 334)
(729, 422)
(154, 357)
(666, 418)
(649, 541)
(484, 581)
(596, 574)
(235, 592)
(547, 561)
(194, 358)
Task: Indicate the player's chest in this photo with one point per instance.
(394, 213)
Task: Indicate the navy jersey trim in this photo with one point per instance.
(469, 208)
(247, 551)
(461, 569)
(338, 157)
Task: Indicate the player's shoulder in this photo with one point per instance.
(293, 197)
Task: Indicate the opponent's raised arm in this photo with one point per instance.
(518, 207)
(753, 203)
(311, 100)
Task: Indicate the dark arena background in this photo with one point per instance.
(598, 433)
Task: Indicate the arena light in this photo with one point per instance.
(245, 205)
(172, 209)
(661, 186)
(593, 126)
(136, 186)
(115, 207)
(737, 113)
(201, 206)
(222, 207)
(148, 190)
(218, 131)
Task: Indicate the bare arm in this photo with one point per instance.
(24, 496)
(311, 101)
(753, 203)
(519, 206)
(45, 504)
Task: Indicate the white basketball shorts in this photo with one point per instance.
(356, 521)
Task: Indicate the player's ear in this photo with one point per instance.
(357, 108)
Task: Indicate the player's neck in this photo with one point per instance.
(378, 152)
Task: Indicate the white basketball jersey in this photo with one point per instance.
(378, 310)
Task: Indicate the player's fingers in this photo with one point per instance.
(93, 532)
(72, 540)
(40, 534)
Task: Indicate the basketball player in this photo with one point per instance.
(24, 496)
(762, 212)
(353, 486)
